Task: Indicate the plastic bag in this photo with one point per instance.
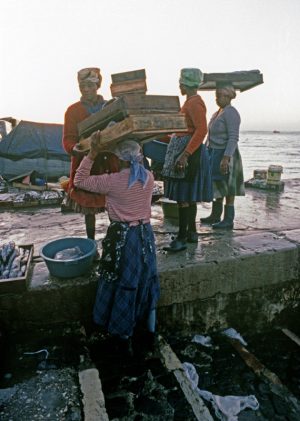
(68, 254)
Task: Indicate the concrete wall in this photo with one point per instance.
(254, 286)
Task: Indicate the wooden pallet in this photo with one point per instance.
(120, 108)
(140, 128)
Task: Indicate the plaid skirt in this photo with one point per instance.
(199, 189)
(231, 185)
(124, 300)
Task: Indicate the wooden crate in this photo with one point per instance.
(241, 80)
(34, 187)
(126, 76)
(120, 108)
(140, 128)
(130, 86)
(16, 285)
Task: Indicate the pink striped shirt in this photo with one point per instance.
(123, 204)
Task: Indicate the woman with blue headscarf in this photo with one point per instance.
(128, 288)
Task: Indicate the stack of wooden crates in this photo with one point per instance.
(132, 114)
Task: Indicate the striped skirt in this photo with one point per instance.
(126, 299)
(231, 185)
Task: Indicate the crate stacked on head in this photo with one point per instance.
(127, 83)
(132, 114)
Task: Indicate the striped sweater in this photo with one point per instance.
(123, 204)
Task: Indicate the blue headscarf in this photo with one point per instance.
(130, 151)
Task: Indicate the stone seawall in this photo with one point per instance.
(242, 281)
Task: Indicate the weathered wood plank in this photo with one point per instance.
(131, 75)
(120, 108)
(173, 364)
(139, 128)
(292, 336)
(122, 88)
(241, 80)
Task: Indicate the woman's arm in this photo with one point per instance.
(197, 114)
(232, 121)
(92, 183)
(70, 131)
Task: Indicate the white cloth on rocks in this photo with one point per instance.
(226, 408)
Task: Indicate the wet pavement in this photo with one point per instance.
(259, 211)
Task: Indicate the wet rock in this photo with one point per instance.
(250, 416)
(52, 395)
(119, 404)
(190, 351)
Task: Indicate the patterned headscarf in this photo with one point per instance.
(191, 77)
(90, 74)
(130, 151)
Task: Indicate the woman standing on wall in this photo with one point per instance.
(226, 161)
(186, 168)
(84, 202)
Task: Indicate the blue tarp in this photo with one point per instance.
(34, 140)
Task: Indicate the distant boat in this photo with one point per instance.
(276, 131)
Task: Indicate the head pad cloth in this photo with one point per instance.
(227, 88)
(191, 77)
(130, 151)
(89, 74)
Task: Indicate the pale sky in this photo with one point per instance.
(45, 42)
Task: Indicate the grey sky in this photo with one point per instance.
(45, 42)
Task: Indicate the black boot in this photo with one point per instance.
(90, 226)
(227, 222)
(192, 236)
(179, 243)
(216, 212)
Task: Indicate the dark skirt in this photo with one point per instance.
(231, 184)
(197, 189)
(126, 299)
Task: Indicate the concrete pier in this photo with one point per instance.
(245, 277)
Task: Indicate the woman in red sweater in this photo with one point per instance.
(186, 169)
(87, 203)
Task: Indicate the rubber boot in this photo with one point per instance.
(227, 222)
(90, 226)
(216, 212)
(192, 236)
(179, 243)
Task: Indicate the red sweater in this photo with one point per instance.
(105, 163)
(195, 114)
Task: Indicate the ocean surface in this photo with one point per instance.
(259, 149)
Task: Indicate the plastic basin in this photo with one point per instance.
(69, 268)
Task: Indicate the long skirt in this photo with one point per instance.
(130, 290)
(199, 189)
(233, 183)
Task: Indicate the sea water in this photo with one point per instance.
(259, 149)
